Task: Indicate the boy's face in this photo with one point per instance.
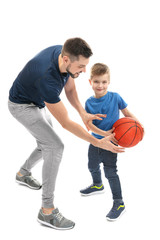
(100, 85)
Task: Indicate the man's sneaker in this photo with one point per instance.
(117, 210)
(93, 189)
(28, 181)
(55, 220)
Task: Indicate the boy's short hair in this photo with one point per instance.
(74, 47)
(99, 69)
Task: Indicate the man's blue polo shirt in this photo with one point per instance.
(40, 80)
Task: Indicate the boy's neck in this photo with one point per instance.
(96, 96)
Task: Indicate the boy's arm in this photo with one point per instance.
(127, 113)
(98, 131)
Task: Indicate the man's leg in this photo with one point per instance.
(34, 119)
(33, 159)
(36, 155)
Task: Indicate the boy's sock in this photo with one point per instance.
(119, 201)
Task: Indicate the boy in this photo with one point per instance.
(109, 103)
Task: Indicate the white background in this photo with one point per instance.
(124, 35)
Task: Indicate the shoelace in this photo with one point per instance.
(89, 186)
(115, 207)
(33, 179)
(59, 216)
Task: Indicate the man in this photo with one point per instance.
(39, 84)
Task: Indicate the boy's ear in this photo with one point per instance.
(90, 81)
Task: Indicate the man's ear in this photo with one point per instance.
(66, 59)
(90, 81)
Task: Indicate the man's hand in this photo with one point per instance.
(87, 117)
(105, 143)
(110, 132)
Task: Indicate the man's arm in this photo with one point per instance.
(72, 96)
(71, 93)
(59, 111)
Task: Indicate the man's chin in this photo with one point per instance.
(76, 75)
(73, 75)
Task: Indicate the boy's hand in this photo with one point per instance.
(143, 131)
(109, 132)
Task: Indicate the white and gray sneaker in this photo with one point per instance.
(28, 181)
(55, 220)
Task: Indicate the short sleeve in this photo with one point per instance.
(121, 103)
(86, 107)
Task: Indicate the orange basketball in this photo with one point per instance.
(128, 132)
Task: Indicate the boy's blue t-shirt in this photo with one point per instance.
(109, 104)
(40, 80)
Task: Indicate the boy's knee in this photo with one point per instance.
(94, 169)
(110, 172)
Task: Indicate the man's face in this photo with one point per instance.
(77, 67)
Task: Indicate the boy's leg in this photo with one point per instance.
(110, 170)
(94, 168)
(94, 164)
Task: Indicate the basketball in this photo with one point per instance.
(128, 132)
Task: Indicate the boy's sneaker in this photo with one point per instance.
(117, 210)
(55, 220)
(93, 189)
(28, 181)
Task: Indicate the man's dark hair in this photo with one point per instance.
(74, 47)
